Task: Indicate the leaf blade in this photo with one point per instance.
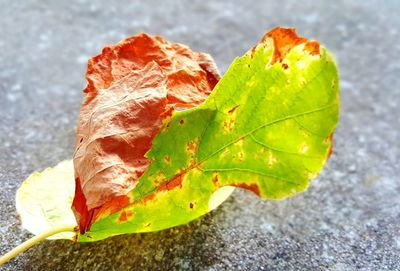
(269, 122)
(43, 201)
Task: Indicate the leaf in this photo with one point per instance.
(267, 127)
(43, 201)
(132, 87)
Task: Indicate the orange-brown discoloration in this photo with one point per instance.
(167, 159)
(175, 182)
(312, 47)
(215, 179)
(125, 215)
(330, 151)
(284, 40)
(149, 198)
(191, 147)
(171, 184)
(251, 187)
(114, 205)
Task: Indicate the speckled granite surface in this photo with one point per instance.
(349, 219)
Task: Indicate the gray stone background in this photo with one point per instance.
(347, 220)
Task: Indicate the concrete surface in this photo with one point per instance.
(347, 220)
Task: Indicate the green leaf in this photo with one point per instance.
(266, 127)
(44, 200)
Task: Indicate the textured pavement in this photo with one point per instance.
(349, 219)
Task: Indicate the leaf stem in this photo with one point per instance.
(33, 241)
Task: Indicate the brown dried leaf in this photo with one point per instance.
(132, 87)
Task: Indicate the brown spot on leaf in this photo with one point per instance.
(330, 151)
(285, 66)
(192, 146)
(149, 197)
(284, 40)
(110, 207)
(175, 182)
(215, 179)
(181, 122)
(229, 124)
(191, 205)
(167, 159)
(251, 187)
(233, 109)
(312, 47)
(125, 215)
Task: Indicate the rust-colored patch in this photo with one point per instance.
(167, 159)
(132, 86)
(110, 207)
(312, 47)
(251, 187)
(171, 184)
(191, 205)
(149, 197)
(125, 215)
(215, 179)
(284, 40)
(192, 146)
(285, 66)
(330, 151)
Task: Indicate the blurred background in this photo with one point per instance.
(347, 220)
